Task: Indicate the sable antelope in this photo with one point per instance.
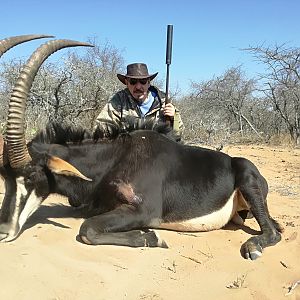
(130, 183)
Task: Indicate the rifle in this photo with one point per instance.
(168, 62)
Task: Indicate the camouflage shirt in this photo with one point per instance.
(122, 104)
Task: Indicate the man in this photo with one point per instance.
(139, 99)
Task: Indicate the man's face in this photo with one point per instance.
(138, 88)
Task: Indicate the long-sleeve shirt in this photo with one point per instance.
(122, 105)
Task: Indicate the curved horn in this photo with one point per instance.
(5, 45)
(10, 42)
(15, 135)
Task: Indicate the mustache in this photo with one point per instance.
(139, 90)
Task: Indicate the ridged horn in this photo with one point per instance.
(5, 45)
(10, 42)
(15, 135)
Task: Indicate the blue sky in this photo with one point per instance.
(207, 38)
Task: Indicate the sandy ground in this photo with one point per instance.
(46, 261)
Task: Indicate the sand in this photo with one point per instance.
(46, 261)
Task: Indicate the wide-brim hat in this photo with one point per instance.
(136, 70)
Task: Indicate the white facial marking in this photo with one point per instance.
(32, 204)
(21, 192)
(19, 218)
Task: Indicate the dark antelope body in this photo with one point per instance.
(131, 183)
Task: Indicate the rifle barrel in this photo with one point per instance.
(168, 58)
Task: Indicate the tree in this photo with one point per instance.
(220, 104)
(281, 83)
(73, 88)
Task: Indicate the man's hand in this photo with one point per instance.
(169, 110)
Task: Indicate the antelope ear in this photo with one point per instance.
(61, 167)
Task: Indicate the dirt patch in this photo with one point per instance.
(46, 261)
